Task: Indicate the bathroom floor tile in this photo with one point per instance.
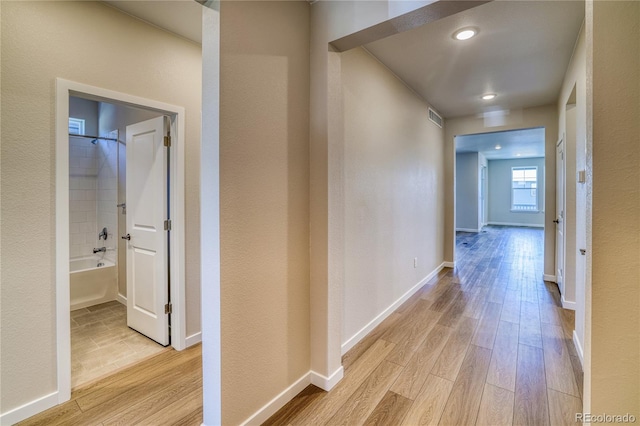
(102, 343)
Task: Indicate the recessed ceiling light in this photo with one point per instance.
(498, 147)
(465, 33)
(489, 96)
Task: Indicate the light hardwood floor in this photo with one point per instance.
(485, 344)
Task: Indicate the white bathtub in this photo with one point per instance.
(90, 284)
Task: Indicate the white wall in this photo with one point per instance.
(393, 190)
(467, 195)
(576, 118)
(94, 44)
(500, 193)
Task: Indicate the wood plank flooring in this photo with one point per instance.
(487, 343)
(163, 390)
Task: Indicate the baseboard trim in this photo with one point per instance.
(566, 304)
(326, 383)
(576, 343)
(550, 278)
(467, 230)
(522, 225)
(122, 299)
(279, 401)
(353, 340)
(29, 409)
(451, 265)
(194, 339)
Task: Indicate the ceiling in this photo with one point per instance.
(521, 53)
(181, 17)
(525, 143)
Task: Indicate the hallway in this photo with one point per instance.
(486, 344)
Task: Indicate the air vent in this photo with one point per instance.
(433, 116)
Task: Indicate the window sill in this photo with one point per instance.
(526, 211)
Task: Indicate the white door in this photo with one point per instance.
(147, 248)
(559, 221)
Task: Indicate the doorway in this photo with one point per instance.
(145, 136)
(116, 153)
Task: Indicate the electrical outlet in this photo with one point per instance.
(415, 262)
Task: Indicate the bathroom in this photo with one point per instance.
(101, 341)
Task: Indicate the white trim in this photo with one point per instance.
(550, 278)
(353, 340)
(64, 89)
(566, 304)
(194, 339)
(467, 230)
(451, 265)
(525, 225)
(326, 383)
(29, 409)
(271, 407)
(576, 343)
(122, 299)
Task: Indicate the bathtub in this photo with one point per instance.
(90, 284)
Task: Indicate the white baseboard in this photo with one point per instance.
(525, 225)
(327, 383)
(29, 409)
(279, 401)
(194, 339)
(449, 265)
(353, 340)
(122, 299)
(467, 230)
(566, 304)
(550, 278)
(576, 343)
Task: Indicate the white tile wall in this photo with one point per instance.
(82, 198)
(106, 194)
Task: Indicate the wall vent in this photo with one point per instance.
(433, 116)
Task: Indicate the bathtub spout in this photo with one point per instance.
(101, 249)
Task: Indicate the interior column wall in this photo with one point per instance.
(264, 202)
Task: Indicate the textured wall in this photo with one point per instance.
(544, 116)
(97, 45)
(613, 69)
(264, 202)
(394, 189)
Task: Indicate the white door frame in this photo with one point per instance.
(64, 89)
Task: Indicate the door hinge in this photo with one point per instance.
(167, 140)
(168, 309)
(167, 225)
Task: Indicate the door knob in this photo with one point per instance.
(126, 237)
(555, 221)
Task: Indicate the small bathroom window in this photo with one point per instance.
(76, 126)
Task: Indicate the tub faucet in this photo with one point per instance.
(103, 234)
(101, 249)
